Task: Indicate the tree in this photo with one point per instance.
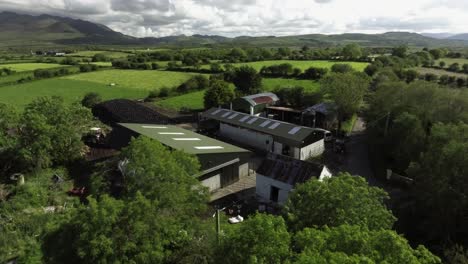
(400, 51)
(216, 67)
(260, 239)
(440, 177)
(9, 122)
(352, 51)
(442, 64)
(219, 93)
(465, 68)
(454, 67)
(346, 90)
(51, 132)
(355, 244)
(247, 80)
(314, 73)
(91, 99)
(343, 199)
(341, 68)
(163, 175)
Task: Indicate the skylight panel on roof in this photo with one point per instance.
(171, 133)
(226, 114)
(244, 118)
(209, 147)
(216, 112)
(234, 115)
(264, 124)
(294, 130)
(157, 127)
(251, 121)
(186, 139)
(275, 125)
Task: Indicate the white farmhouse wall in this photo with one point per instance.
(243, 170)
(248, 137)
(263, 188)
(313, 150)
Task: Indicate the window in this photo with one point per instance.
(274, 193)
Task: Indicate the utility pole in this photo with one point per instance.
(218, 222)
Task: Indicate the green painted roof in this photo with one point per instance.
(183, 139)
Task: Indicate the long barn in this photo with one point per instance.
(221, 164)
(267, 134)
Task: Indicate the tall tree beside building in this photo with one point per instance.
(219, 93)
(247, 80)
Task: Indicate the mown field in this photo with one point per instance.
(71, 90)
(20, 67)
(303, 65)
(135, 79)
(192, 101)
(91, 53)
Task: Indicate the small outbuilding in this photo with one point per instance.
(278, 175)
(322, 115)
(254, 104)
(267, 134)
(221, 164)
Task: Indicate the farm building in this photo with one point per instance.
(267, 134)
(222, 164)
(321, 115)
(127, 111)
(254, 104)
(278, 175)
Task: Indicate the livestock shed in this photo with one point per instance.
(322, 115)
(254, 104)
(278, 175)
(268, 134)
(221, 164)
(127, 111)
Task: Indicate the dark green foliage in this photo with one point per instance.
(293, 96)
(88, 67)
(352, 51)
(218, 94)
(343, 199)
(100, 57)
(247, 80)
(91, 99)
(454, 67)
(280, 70)
(314, 73)
(341, 68)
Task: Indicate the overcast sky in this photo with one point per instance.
(257, 17)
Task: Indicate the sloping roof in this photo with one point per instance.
(289, 170)
(261, 98)
(282, 131)
(127, 111)
(324, 108)
(183, 139)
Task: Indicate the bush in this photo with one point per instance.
(341, 68)
(91, 99)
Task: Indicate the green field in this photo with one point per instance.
(20, 67)
(136, 79)
(449, 61)
(192, 101)
(101, 63)
(91, 53)
(303, 65)
(440, 72)
(270, 84)
(71, 90)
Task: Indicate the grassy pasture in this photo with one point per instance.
(192, 101)
(91, 53)
(269, 84)
(303, 65)
(21, 67)
(71, 90)
(440, 72)
(135, 79)
(449, 61)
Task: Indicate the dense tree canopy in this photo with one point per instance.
(218, 94)
(343, 199)
(247, 80)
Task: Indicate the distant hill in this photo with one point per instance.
(21, 30)
(460, 37)
(437, 35)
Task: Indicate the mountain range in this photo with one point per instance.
(47, 30)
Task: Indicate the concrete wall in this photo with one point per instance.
(213, 183)
(263, 188)
(313, 150)
(243, 170)
(278, 149)
(248, 137)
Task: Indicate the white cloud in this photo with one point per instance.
(258, 17)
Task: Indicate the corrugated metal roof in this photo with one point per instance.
(289, 170)
(282, 131)
(183, 139)
(261, 98)
(324, 108)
